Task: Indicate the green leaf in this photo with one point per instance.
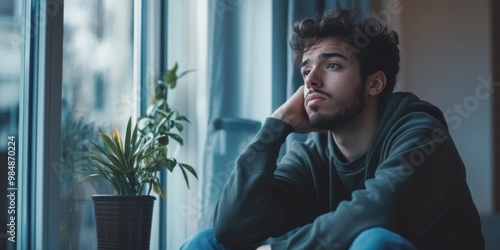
(150, 110)
(158, 189)
(128, 137)
(108, 155)
(171, 76)
(160, 124)
(185, 176)
(114, 151)
(103, 162)
(184, 73)
(171, 114)
(162, 112)
(120, 150)
(144, 122)
(182, 118)
(109, 143)
(170, 164)
(176, 137)
(179, 126)
(160, 103)
(189, 168)
(151, 152)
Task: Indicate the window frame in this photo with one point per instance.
(39, 130)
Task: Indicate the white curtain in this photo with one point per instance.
(232, 79)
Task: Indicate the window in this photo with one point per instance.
(83, 73)
(97, 93)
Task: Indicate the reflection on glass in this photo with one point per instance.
(11, 51)
(97, 94)
(11, 57)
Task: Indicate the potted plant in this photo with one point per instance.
(131, 164)
(161, 121)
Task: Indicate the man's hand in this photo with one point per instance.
(294, 113)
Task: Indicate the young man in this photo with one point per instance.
(379, 170)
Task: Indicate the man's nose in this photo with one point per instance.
(313, 79)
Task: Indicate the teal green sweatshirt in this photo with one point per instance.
(411, 181)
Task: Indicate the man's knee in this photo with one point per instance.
(380, 238)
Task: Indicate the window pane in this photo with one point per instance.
(97, 94)
(11, 51)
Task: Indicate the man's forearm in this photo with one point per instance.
(245, 206)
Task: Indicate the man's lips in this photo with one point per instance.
(314, 98)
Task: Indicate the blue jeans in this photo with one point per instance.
(376, 238)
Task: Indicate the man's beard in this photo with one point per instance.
(346, 118)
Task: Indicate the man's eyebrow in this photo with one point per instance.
(325, 55)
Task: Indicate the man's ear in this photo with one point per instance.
(376, 83)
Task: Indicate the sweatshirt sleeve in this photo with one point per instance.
(245, 213)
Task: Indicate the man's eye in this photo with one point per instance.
(306, 72)
(334, 66)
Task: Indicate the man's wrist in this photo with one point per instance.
(272, 134)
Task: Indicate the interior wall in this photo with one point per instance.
(446, 60)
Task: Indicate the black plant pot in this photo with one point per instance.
(123, 221)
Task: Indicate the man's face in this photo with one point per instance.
(333, 91)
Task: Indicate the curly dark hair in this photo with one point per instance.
(374, 45)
